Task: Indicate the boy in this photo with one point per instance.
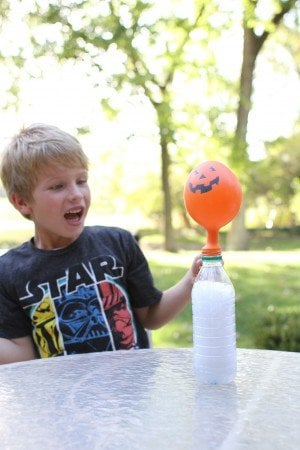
(71, 288)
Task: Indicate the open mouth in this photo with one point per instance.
(74, 215)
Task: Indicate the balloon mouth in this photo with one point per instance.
(215, 251)
(212, 247)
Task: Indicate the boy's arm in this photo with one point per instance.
(15, 350)
(172, 301)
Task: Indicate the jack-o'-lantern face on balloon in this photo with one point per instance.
(212, 195)
(206, 180)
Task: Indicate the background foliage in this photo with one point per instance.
(170, 79)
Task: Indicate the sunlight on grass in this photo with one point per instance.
(242, 258)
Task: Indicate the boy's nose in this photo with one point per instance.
(75, 192)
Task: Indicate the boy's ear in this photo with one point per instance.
(20, 204)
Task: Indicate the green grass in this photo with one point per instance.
(259, 239)
(263, 280)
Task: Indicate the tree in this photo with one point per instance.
(10, 63)
(256, 32)
(150, 46)
(276, 180)
(143, 47)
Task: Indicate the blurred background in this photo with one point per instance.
(152, 89)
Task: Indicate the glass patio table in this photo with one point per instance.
(149, 399)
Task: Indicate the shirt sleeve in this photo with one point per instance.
(13, 321)
(139, 277)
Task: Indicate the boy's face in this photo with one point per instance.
(59, 205)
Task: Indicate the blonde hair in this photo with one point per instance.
(31, 150)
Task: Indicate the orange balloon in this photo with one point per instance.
(213, 197)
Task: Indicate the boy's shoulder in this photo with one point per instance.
(11, 260)
(14, 251)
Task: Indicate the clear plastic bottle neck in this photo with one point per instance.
(215, 260)
(212, 269)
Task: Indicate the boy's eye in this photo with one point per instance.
(57, 186)
(82, 181)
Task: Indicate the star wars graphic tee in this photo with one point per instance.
(80, 298)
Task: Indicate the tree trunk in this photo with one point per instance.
(237, 237)
(169, 244)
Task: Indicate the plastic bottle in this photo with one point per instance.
(214, 336)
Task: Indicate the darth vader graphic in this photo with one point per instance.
(81, 321)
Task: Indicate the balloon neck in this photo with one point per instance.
(212, 247)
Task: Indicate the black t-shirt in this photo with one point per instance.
(80, 298)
